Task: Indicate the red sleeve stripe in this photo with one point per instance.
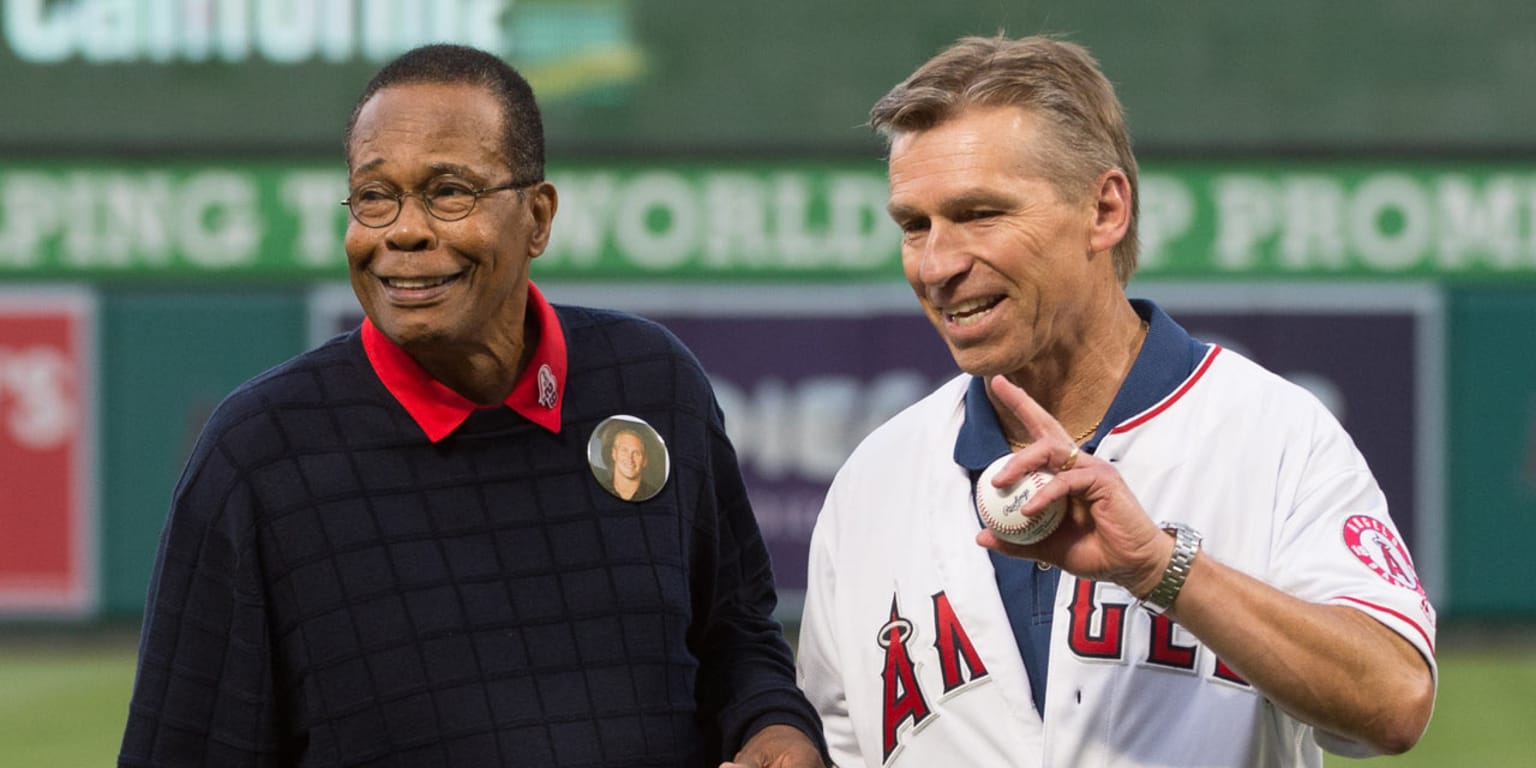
(1427, 641)
(1171, 399)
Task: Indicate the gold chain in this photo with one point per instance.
(1084, 435)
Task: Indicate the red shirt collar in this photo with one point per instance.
(438, 410)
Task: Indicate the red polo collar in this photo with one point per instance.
(439, 410)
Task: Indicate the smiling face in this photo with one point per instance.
(628, 455)
(443, 287)
(1009, 271)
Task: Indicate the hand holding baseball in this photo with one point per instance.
(1103, 533)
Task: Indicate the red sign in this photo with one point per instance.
(47, 480)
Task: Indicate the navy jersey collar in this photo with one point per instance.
(981, 439)
(1167, 359)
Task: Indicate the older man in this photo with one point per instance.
(391, 550)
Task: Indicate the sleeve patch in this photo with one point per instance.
(1376, 545)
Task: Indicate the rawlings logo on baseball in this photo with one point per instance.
(999, 507)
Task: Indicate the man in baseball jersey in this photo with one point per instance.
(1226, 589)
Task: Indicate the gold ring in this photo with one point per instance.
(1070, 462)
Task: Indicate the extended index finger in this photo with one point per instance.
(1036, 419)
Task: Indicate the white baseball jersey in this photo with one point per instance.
(906, 650)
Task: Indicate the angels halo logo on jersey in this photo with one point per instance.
(1376, 545)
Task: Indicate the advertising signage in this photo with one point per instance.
(261, 76)
(619, 77)
(790, 221)
(239, 31)
(47, 453)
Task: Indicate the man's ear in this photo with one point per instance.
(1112, 210)
(543, 201)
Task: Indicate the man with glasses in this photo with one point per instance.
(391, 550)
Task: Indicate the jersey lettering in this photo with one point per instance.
(1163, 651)
(954, 647)
(903, 699)
(1225, 672)
(1108, 642)
(1105, 643)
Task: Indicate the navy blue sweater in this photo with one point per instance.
(334, 589)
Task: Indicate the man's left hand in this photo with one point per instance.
(777, 746)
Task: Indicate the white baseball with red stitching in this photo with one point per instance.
(999, 507)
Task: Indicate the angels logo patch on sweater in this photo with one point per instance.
(1376, 545)
(549, 389)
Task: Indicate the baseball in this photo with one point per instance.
(999, 507)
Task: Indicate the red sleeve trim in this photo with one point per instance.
(1373, 606)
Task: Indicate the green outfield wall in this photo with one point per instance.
(1491, 466)
(167, 357)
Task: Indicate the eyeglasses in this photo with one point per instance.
(446, 198)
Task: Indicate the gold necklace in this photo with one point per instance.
(1084, 435)
(1145, 326)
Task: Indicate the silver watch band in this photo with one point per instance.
(1186, 543)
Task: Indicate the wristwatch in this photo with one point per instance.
(1186, 542)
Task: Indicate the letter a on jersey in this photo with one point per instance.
(903, 698)
(956, 653)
